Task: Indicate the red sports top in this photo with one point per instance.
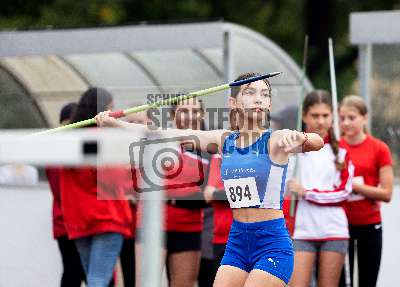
(368, 157)
(194, 170)
(222, 212)
(92, 201)
(53, 177)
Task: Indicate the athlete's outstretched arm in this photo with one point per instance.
(207, 141)
(291, 141)
(283, 142)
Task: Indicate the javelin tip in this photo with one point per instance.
(253, 79)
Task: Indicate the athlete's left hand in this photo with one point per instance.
(290, 140)
(295, 186)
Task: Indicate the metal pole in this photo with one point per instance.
(364, 75)
(337, 134)
(334, 90)
(299, 124)
(228, 63)
(152, 235)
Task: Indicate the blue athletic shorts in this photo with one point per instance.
(264, 245)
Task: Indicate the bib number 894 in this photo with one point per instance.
(237, 193)
(242, 192)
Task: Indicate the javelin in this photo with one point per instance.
(123, 113)
(347, 276)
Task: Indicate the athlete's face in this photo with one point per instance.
(189, 115)
(352, 122)
(318, 119)
(253, 100)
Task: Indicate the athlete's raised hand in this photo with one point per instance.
(291, 139)
(104, 119)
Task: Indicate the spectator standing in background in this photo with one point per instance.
(73, 274)
(373, 183)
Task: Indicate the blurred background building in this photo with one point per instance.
(41, 70)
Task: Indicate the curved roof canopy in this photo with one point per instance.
(56, 66)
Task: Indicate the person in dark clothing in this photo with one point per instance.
(73, 274)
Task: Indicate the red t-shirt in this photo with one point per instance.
(194, 170)
(130, 187)
(368, 158)
(93, 201)
(222, 211)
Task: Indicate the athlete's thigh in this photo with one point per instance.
(330, 268)
(183, 268)
(261, 278)
(303, 267)
(230, 276)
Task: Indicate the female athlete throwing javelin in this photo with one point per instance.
(259, 251)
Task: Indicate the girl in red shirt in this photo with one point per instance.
(373, 183)
(95, 213)
(73, 274)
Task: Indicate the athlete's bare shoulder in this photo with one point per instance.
(220, 136)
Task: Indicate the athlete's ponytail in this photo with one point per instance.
(335, 147)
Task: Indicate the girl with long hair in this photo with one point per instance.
(96, 214)
(320, 228)
(373, 184)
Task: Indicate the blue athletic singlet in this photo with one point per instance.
(250, 178)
